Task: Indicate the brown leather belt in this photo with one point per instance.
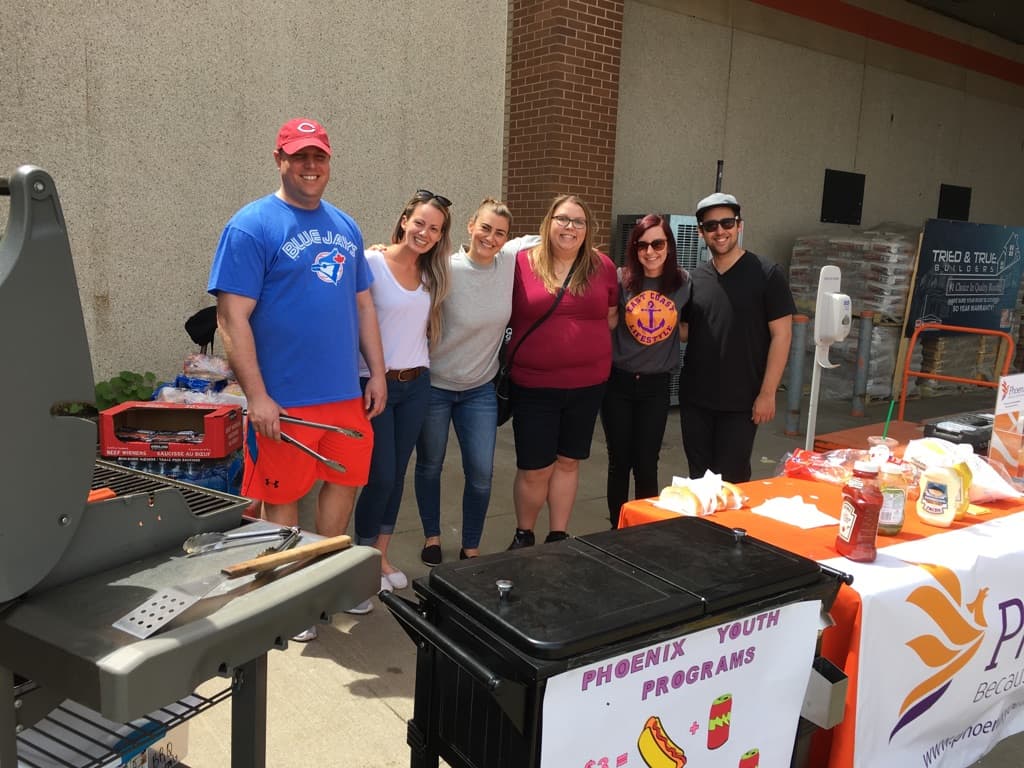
(404, 374)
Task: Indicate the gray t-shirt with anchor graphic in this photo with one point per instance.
(646, 340)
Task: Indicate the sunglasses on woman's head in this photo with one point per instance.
(711, 225)
(426, 194)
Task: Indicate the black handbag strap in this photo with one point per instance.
(558, 297)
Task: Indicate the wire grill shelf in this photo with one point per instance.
(72, 736)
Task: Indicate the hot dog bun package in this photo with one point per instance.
(695, 497)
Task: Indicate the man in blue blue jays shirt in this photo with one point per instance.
(294, 308)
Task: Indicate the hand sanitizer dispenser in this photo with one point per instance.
(833, 317)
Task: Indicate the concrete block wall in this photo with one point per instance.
(157, 123)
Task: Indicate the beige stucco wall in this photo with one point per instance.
(780, 99)
(157, 122)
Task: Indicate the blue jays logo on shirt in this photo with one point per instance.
(329, 266)
(651, 317)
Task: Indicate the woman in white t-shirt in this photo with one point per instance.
(411, 282)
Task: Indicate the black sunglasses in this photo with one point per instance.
(711, 225)
(426, 194)
(658, 245)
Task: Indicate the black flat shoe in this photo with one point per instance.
(556, 536)
(464, 556)
(431, 555)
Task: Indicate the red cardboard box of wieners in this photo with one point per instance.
(170, 430)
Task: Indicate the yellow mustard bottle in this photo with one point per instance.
(941, 496)
(966, 478)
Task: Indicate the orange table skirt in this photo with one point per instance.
(841, 642)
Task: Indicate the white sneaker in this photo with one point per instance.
(363, 608)
(385, 585)
(397, 579)
(305, 635)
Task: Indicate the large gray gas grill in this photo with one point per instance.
(69, 568)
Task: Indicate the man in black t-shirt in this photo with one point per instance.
(739, 324)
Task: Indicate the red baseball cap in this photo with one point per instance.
(301, 132)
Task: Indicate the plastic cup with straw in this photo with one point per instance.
(880, 447)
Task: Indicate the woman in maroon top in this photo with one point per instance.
(559, 372)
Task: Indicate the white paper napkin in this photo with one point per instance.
(795, 511)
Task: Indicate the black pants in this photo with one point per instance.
(718, 440)
(633, 415)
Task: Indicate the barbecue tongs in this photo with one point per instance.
(213, 541)
(336, 466)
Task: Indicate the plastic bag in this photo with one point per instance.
(835, 467)
(207, 367)
(990, 481)
(932, 452)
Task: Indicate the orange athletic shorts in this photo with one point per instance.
(279, 473)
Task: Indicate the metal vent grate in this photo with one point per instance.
(624, 224)
(690, 252)
(689, 245)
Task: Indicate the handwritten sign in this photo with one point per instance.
(967, 275)
(728, 695)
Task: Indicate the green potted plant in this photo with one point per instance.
(124, 387)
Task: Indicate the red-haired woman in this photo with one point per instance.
(645, 352)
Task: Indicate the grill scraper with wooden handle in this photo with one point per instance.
(164, 606)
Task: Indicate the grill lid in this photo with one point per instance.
(575, 596)
(47, 460)
(49, 534)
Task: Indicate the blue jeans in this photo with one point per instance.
(395, 431)
(474, 412)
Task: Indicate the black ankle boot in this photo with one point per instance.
(522, 539)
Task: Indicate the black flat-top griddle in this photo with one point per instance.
(563, 599)
(492, 630)
(723, 566)
(605, 587)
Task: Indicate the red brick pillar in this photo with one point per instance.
(564, 58)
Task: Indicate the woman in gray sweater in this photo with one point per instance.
(462, 367)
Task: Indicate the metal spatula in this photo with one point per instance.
(164, 606)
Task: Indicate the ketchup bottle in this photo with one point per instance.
(858, 522)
